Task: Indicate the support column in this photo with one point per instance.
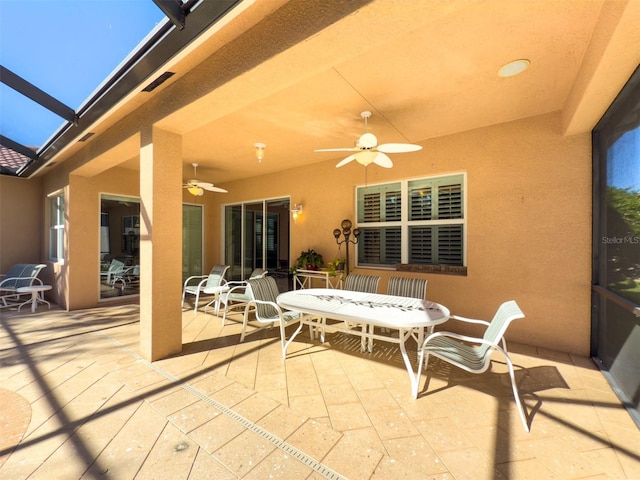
(160, 243)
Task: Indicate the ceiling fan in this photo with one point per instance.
(368, 151)
(197, 188)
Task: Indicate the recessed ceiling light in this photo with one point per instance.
(514, 68)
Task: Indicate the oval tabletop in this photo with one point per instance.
(374, 308)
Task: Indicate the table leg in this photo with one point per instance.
(34, 301)
(217, 305)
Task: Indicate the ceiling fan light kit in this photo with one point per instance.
(195, 190)
(196, 187)
(368, 151)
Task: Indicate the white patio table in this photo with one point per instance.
(216, 292)
(37, 295)
(366, 311)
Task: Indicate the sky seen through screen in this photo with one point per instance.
(67, 48)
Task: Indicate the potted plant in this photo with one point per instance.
(309, 260)
(336, 265)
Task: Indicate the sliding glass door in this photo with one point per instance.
(257, 236)
(119, 246)
(192, 237)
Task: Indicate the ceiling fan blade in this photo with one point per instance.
(351, 149)
(383, 160)
(398, 147)
(211, 188)
(346, 160)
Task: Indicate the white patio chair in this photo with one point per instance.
(130, 276)
(264, 292)
(19, 275)
(473, 354)
(116, 268)
(237, 297)
(356, 282)
(410, 287)
(196, 284)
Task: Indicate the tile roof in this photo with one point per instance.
(11, 161)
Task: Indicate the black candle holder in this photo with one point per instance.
(346, 232)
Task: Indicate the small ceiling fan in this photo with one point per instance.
(197, 188)
(368, 151)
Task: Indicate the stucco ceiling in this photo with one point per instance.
(423, 68)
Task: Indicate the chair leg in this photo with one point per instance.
(224, 313)
(217, 304)
(284, 342)
(245, 321)
(195, 308)
(516, 395)
(323, 328)
(422, 360)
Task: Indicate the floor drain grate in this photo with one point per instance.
(248, 424)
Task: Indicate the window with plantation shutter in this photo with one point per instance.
(393, 206)
(420, 245)
(417, 222)
(449, 245)
(380, 246)
(420, 204)
(450, 201)
(371, 208)
(381, 203)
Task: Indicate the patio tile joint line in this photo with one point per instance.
(298, 454)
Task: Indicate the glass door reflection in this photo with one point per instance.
(119, 246)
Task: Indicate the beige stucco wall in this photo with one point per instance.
(84, 230)
(21, 221)
(528, 212)
(528, 222)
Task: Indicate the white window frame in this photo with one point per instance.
(56, 227)
(405, 224)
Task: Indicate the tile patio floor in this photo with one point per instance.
(83, 404)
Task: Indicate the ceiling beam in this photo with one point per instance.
(18, 147)
(173, 10)
(164, 44)
(32, 92)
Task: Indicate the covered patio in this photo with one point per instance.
(116, 381)
(90, 406)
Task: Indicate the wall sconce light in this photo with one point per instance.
(260, 150)
(296, 210)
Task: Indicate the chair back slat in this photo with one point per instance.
(408, 287)
(258, 273)
(266, 290)
(508, 312)
(21, 275)
(216, 277)
(357, 282)
(219, 270)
